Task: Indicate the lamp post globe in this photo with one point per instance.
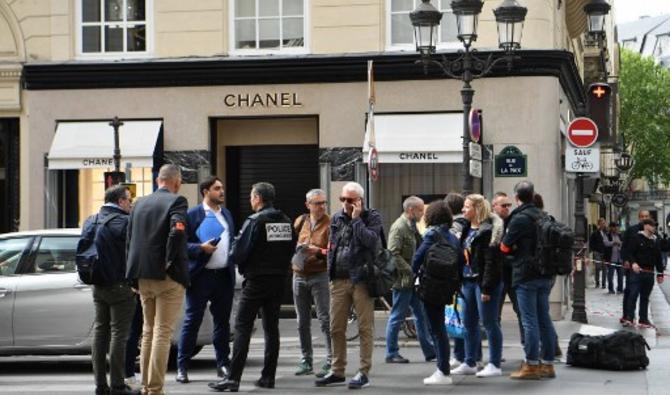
(425, 19)
(467, 16)
(509, 18)
(596, 10)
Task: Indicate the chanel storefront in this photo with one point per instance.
(296, 122)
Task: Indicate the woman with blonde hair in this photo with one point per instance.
(482, 285)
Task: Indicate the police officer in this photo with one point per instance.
(262, 252)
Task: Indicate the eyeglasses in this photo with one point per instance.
(348, 200)
(320, 203)
(506, 205)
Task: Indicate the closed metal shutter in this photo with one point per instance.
(292, 169)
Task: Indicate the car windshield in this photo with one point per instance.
(10, 254)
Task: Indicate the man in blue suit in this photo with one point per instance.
(210, 232)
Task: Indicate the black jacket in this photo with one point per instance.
(520, 242)
(596, 243)
(627, 240)
(366, 239)
(265, 244)
(156, 244)
(484, 257)
(646, 252)
(112, 246)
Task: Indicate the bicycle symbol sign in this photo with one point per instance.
(582, 160)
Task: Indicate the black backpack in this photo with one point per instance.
(554, 246)
(622, 350)
(89, 266)
(440, 273)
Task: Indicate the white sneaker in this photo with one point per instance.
(437, 378)
(133, 380)
(465, 370)
(489, 371)
(454, 363)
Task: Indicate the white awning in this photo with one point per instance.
(418, 138)
(84, 145)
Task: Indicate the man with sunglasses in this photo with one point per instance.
(355, 236)
(310, 278)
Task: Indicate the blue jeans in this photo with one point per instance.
(474, 309)
(639, 285)
(610, 278)
(403, 300)
(438, 331)
(459, 350)
(533, 297)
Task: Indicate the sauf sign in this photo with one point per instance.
(581, 156)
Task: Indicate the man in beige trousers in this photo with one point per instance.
(157, 264)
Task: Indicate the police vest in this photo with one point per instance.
(273, 246)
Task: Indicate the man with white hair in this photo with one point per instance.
(355, 236)
(310, 278)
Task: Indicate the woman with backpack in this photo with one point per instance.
(437, 264)
(482, 285)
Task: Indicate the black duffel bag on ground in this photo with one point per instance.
(621, 350)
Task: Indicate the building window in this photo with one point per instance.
(629, 44)
(113, 26)
(662, 47)
(268, 25)
(400, 31)
(92, 188)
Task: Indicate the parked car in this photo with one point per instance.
(44, 308)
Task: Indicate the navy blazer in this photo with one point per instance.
(197, 258)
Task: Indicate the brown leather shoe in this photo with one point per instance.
(526, 372)
(547, 371)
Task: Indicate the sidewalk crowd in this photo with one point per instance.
(477, 250)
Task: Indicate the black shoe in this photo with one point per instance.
(225, 385)
(265, 382)
(431, 359)
(329, 379)
(102, 390)
(222, 371)
(359, 381)
(124, 390)
(397, 359)
(182, 376)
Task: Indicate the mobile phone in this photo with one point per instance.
(215, 241)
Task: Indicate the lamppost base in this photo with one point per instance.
(579, 316)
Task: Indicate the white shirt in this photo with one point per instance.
(219, 258)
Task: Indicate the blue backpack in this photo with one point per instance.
(90, 268)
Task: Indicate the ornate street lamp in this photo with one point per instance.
(425, 19)
(596, 10)
(467, 67)
(509, 18)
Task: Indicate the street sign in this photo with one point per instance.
(582, 132)
(475, 151)
(582, 160)
(619, 200)
(475, 122)
(511, 162)
(373, 164)
(476, 168)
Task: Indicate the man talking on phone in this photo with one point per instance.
(210, 233)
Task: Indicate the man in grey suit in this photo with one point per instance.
(158, 265)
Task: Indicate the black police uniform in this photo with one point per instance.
(262, 252)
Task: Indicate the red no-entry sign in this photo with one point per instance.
(582, 132)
